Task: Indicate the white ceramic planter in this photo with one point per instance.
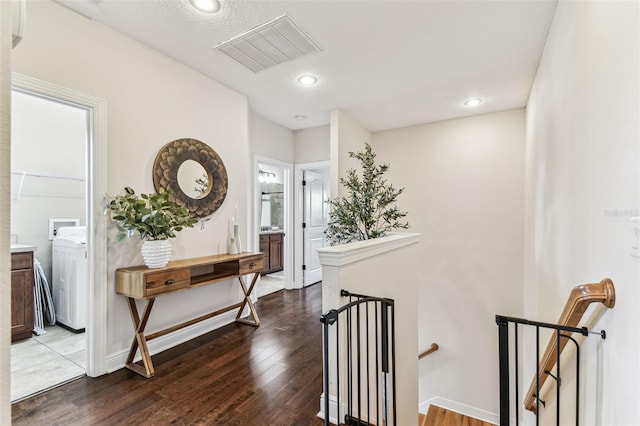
(156, 253)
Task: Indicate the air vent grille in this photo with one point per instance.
(270, 44)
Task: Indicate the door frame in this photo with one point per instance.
(96, 221)
(288, 216)
(299, 215)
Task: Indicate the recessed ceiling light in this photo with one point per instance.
(206, 6)
(307, 80)
(473, 102)
(299, 117)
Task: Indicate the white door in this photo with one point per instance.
(315, 221)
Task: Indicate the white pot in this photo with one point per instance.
(156, 253)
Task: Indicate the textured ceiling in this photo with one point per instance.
(387, 63)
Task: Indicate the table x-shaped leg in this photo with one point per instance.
(140, 341)
(247, 301)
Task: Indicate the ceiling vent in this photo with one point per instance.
(270, 44)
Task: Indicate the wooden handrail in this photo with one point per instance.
(434, 347)
(579, 300)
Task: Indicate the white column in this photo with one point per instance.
(5, 212)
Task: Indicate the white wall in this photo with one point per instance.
(48, 137)
(463, 183)
(152, 100)
(269, 139)
(346, 135)
(582, 184)
(312, 145)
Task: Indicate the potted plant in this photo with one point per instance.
(154, 217)
(368, 210)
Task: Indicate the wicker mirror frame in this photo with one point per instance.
(165, 175)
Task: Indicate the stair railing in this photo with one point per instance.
(363, 341)
(579, 300)
(434, 347)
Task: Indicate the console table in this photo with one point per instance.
(142, 283)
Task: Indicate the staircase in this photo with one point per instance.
(437, 416)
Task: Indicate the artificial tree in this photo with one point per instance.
(368, 210)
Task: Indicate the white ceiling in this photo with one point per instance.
(387, 63)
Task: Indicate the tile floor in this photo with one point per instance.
(46, 361)
(270, 284)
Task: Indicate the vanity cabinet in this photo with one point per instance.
(272, 246)
(21, 295)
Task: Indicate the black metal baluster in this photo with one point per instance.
(329, 318)
(338, 404)
(385, 362)
(393, 358)
(368, 371)
(577, 382)
(515, 327)
(503, 359)
(557, 377)
(377, 370)
(359, 374)
(325, 366)
(537, 375)
(349, 367)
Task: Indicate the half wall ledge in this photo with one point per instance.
(345, 254)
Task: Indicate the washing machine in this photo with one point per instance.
(70, 279)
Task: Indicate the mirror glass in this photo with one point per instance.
(193, 179)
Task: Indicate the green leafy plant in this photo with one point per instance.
(154, 216)
(368, 210)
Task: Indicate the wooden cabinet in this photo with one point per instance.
(264, 248)
(272, 247)
(21, 295)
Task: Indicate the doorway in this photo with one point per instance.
(77, 186)
(48, 186)
(312, 210)
(273, 224)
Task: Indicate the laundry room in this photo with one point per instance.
(48, 217)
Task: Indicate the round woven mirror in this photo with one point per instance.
(194, 172)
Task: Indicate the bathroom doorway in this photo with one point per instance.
(273, 203)
(58, 144)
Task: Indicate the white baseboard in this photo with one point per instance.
(458, 407)
(333, 409)
(117, 361)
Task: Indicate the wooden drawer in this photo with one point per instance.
(252, 264)
(164, 282)
(21, 260)
(275, 237)
(264, 238)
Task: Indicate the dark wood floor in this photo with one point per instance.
(237, 375)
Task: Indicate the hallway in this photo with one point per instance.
(236, 375)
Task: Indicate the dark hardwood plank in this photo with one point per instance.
(236, 375)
